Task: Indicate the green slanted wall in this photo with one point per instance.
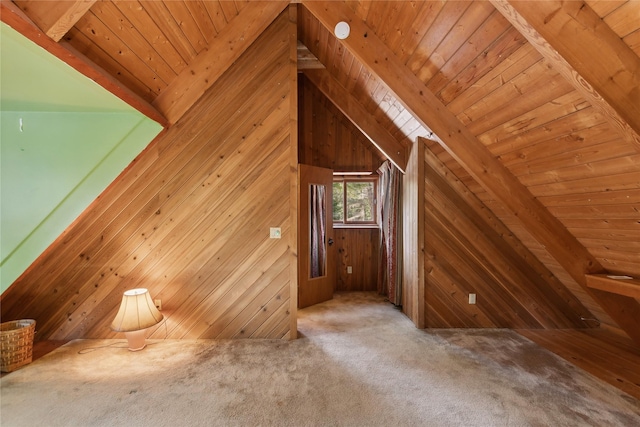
(63, 140)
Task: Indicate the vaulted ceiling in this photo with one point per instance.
(535, 106)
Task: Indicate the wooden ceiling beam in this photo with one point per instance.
(55, 18)
(389, 146)
(14, 17)
(228, 45)
(587, 53)
(476, 159)
(623, 285)
(306, 59)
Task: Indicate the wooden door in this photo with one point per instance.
(316, 261)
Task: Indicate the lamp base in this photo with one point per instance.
(136, 340)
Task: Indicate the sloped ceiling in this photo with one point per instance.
(62, 145)
(534, 105)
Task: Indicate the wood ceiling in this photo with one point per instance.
(534, 106)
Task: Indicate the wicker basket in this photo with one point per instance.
(16, 343)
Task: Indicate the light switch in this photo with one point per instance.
(349, 269)
(275, 233)
(472, 298)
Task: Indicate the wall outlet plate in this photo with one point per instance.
(472, 298)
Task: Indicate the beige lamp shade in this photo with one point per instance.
(137, 312)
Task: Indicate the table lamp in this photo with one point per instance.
(137, 313)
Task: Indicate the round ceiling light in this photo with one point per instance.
(342, 30)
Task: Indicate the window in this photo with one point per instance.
(354, 201)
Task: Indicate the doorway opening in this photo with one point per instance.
(340, 236)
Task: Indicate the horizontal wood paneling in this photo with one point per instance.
(358, 248)
(189, 220)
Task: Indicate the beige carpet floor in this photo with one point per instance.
(359, 362)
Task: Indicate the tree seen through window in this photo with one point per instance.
(354, 201)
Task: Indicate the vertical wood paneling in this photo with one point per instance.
(329, 140)
(115, 20)
(358, 248)
(189, 220)
(291, 331)
(375, 97)
(413, 238)
(138, 17)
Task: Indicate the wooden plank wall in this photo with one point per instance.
(328, 139)
(469, 250)
(611, 220)
(513, 100)
(551, 138)
(358, 248)
(189, 220)
(413, 235)
(148, 44)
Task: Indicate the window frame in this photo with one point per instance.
(356, 224)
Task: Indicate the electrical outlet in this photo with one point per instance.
(349, 269)
(275, 233)
(158, 304)
(472, 298)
